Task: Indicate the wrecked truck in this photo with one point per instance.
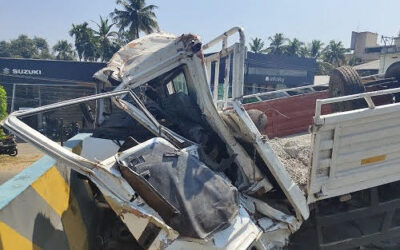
(173, 164)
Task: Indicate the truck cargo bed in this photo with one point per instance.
(294, 152)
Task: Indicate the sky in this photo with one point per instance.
(306, 20)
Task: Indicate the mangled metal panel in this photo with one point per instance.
(137, 57)
(108, 179)
(184, 50)
(191, 198)
(133, 66)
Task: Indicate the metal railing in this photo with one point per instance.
(232, 88)
(366, 96)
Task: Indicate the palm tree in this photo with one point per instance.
(123, 37)
(277, 44)
(64, 50)
(85, 42)
(293, 47)
(334, 53)
(79, 31)
(257, 45)
(105, 37)
(304, 51)
(324, 68)
(136, 17)
(316, 48)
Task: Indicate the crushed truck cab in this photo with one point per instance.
(186, 182)
(172, 163)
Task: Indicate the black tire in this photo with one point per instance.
(13, 153)
(393, 71)
(346, 81)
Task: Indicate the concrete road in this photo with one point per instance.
(10, 166)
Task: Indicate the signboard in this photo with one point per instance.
(8, 71)
(34, 71)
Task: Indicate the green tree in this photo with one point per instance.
(5, 50)
(23, 47)
(324, 68)
(304, 51)
(277, 43)
(353, 60)
(64, 50)
(78, 32)
(3, 103)
(123, 37)
(334, 53)
(42, 48)
(257, 45)
(293, 47)
(3, 108)
(135, 16)
(316, 48)
(85, 42)
(105, 37)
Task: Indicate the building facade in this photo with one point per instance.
(32, 83)
(270, 72)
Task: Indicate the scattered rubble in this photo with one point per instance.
(294, 152)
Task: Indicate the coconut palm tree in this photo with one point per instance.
(334, 53)
(64, 50)
(316, 48)
(105, 37)
(85, 42)
(304, 51)
(78, 31)
(136, 17)
(277, 43)
(257, 45)
(293, 48)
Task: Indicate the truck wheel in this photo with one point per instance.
(346, 81)
(393, 71)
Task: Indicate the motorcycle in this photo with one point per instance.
(8, 145)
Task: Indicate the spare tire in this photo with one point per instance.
(393, 71)
(346, 81)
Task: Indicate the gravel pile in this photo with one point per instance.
(294, 153)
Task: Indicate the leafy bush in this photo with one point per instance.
(3, 108)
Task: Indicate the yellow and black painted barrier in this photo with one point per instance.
(47, 207)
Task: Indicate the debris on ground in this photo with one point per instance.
(294, 152)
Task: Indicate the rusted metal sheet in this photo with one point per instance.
(289, 115)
